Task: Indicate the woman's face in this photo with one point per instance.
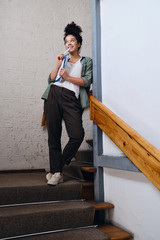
(71, 42)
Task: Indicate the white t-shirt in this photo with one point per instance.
(73, 70)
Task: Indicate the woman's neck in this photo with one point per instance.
(74, 57)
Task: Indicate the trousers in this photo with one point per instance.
(62, 104)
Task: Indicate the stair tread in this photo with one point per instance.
(88, 184)
(89, 169)
(84, 155)
(101, 206)
(115, 233)
(24, 179)
(44, 217)
(40, 208)
(86, 234)
(80, 164)
(32, 187)
(74, 169)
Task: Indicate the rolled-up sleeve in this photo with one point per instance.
(49, 79)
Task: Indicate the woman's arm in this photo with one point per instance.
(74, 80)
(54, 72)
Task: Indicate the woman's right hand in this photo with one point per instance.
(54, 72)
(59, 59)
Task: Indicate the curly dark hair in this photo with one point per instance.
(75, 30)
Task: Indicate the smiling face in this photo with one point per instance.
(71, 42)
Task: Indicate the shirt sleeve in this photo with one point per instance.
(87, 74)
(49, 79)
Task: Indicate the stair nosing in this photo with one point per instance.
(130, 235)
(39, 203)
(101, 206)
(89, 169)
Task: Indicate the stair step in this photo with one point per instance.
(89, 169)
(101, 206)
(29, 219)
(115, 233)
(84, 156)
(88, 184)
(26, 187)
(87, 190)
(80, 170)
(73, 170)
(78, 234)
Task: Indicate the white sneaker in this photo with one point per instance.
(48, 176)
(55, 179)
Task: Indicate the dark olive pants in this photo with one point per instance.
(62, 104)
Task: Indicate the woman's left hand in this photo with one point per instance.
(63, 73)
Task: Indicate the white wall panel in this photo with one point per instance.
(130, 88)
(130, 63)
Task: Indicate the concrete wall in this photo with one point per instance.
(130, 88)
(31, 36)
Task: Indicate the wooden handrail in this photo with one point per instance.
(142, 153)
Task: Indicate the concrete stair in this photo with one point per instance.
(30, 186)
(27, 219)
(34, 210)
(30, 209)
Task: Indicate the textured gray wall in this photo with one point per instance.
(31, 36)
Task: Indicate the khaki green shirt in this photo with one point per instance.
(86, 75)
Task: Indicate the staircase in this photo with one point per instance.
(32, 210)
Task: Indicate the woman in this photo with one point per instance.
(65, 98)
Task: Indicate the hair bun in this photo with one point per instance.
(75, 30)
(72, 28)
